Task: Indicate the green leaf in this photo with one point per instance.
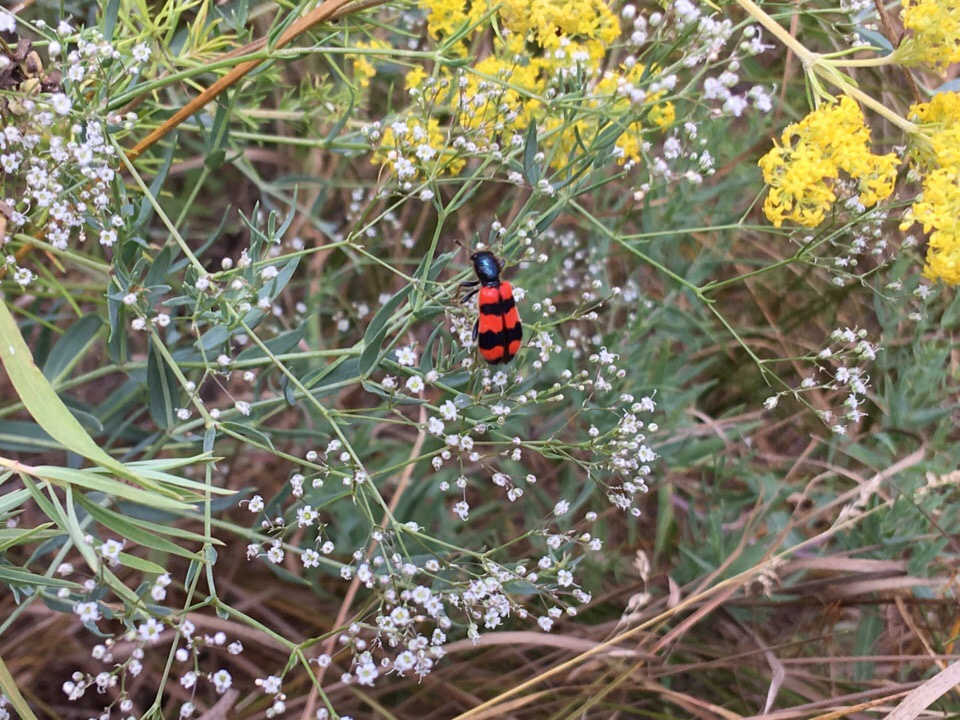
(217, 140)
(273, 288)
(278, 345)
(146, 207)
(10, 689)
(12, 500)
(92, 480)
(214, 337)
(23, 436)
(71, 346)
(9, 537)
(43, 404)
(110, 19)
(162, 386)
(140, 532)
(248, 432)
(878, 41)
(138, 563)
(531, 168)
(377, 331)
(17, 576)
(159, 268)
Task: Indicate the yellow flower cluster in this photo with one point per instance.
(447, 17)
(363, 67)
(936, 30)
(803, 172)
(543, 21)
(937, 208)
(546, 48)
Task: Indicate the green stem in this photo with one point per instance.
(834, 77)
(778, 31)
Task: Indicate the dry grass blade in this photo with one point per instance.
(921, 698)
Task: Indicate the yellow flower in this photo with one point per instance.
(803, 171)
(363, 67)
(546, 69)
(545, 19)
(940, 119)
(936, 30)
(415, 77)
(663, 115)
(446, 17)
(630, 144)
(937, 208)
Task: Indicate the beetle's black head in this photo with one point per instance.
(486, 267)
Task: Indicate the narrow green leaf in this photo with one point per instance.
(217, 139)
(10, 689)
(162, 386)
(531, 168)
(377, 331)
(273, 288)
(71, 347)
(12, 500)
(110, 13)
(94, 481)
(9, 537)
(17, 576)
(282, 343)
(67, 522)
(140, 532)
(214, 337)
(138, 563)
(248, 432)
(43, 404)
(159, 268)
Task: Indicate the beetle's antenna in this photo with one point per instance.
(457, 241)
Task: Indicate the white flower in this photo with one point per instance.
(415, 384)
(406, 356)
(270, 685)
(305, 516)
(110, 550)
(275, 554)
(87, 611)
(141, 53)
(222, 681)
(449, 411)
(425, 152)
(8, 23)
(61, 104)
(150, 630)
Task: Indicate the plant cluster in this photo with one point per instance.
(292, 387)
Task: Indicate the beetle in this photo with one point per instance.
(498, 331)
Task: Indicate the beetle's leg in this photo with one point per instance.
(469, 284)
(476, 329)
